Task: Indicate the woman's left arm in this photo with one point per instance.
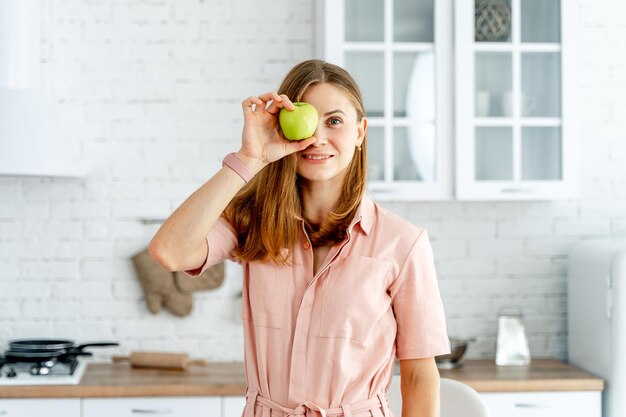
(419, 384)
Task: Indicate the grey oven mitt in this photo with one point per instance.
(172, 289)
(210, 279)
(158, 286)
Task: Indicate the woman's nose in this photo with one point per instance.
(321, 140)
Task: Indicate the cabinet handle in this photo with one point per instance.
(529, 405)
(146, 411)
(516, 190)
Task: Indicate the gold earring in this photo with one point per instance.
(358, 148)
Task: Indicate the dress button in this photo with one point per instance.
(306, 245)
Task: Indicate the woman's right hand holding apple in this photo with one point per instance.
(262, 139)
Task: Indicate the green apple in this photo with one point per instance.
(299, 123)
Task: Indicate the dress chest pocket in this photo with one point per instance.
(268, 287)
(354, 297)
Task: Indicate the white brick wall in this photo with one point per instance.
(155, 89)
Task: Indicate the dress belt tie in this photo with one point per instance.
(308, 408)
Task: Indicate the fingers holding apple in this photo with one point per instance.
(299, 123)
(272, 101)
(263, 139)
(251, 101)
(278, 102)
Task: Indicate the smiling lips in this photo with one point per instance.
(317, 157)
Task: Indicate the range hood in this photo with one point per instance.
(33, 138)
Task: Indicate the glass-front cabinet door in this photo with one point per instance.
(515, 134)
(399, 53)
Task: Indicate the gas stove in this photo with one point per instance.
(43, 373)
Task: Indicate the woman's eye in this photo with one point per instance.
(334, 121)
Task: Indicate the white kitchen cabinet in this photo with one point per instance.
(232, 406)
(514, 103)
(36, 138)
(37, 407)
(133, 407)
(544, 404)
(524, 404)
(419, 62)
(399, 52)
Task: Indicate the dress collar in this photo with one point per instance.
(364, 216)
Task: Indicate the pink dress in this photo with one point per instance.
(325, 345)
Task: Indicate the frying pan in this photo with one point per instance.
(41, 355)
(41, 350)
(54, 344)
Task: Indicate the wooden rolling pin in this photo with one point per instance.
(160, 360)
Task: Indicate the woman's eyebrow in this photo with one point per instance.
(335, 111)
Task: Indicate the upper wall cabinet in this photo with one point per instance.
(399, 53)
(515, 132)
(485, 75)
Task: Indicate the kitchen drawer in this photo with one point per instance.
(544, 404)
(232, 406)
(49, 407)
(137, 407)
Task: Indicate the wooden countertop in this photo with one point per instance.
(217, 379)
(120, 380)
(541, 375)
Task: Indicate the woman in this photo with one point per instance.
(334, 285)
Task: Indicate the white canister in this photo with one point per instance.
(512, 343)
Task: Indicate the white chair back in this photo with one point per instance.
(461, 400)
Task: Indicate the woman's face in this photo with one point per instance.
(338, 134)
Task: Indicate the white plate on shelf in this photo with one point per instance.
(420, 108)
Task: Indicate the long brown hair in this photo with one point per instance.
(266, 212)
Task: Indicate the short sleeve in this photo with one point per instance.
(417, 305)
(221, 242)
